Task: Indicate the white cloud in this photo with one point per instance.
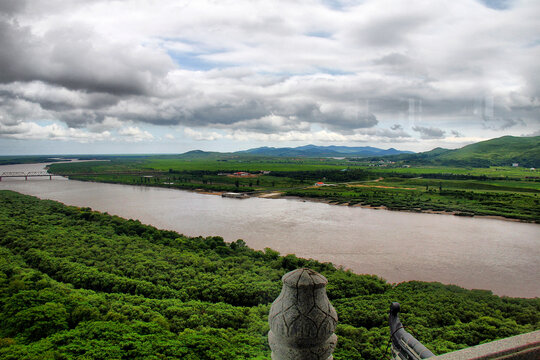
(271, 71)
(134, 134)
(108, 124)
(323, 135)
(33, 131)
(202, 135)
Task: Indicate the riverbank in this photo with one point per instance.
(464, 192)
(426, 207)
(417, 211)
(410, 190)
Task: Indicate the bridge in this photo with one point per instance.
(26, 175)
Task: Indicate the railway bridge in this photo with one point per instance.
(26, 175)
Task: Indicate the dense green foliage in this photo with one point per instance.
(75, 283)
(512, 199)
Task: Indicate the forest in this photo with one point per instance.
(79, 284)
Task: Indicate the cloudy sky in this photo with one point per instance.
(140, 76)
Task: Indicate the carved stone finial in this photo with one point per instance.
(302, 320)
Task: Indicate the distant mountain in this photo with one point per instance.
(503, 151)
(199, 154)
(326, 151)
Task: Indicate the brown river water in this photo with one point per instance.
(475, 253)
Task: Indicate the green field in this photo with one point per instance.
(496, 191)
(79, 284)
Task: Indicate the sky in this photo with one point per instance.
(169, 76)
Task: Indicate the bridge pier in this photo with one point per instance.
(25, 177)
(50, 177)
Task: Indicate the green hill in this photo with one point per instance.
(500, 151)
(503, 151)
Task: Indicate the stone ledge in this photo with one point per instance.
(520, 347)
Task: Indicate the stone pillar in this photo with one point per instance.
(302, 320)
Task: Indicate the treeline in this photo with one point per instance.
(513, 205)
(342, 175)
(445, 176)
(75, 283)
(175, 182)
(12, 160)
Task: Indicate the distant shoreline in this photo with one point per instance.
(279, 195)
(382, 207)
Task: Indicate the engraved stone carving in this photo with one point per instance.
(302, 320)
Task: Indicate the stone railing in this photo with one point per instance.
(404, 345)
(302, 324)
(520, 347)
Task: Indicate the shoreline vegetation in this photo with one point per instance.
(80, 283)
(509, 193)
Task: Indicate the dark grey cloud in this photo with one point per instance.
(264, 114)
(270, 124)
(429, 132)
(456, 133)
(396, 127)
(509, 123)
(14, 42)
(389, 30)
(10, 7)
(393, 133)
(502, 120)
(341, 122)
(14, 110)
(78, 59)
(226, 113)
(80, 118)
(393, 59)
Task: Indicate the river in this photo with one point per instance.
(475, 253)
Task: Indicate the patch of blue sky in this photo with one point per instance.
(336, 72)
(193, 61)
(497, 4)
(312, 71)
(319, 34)
(340, 5)
(533, 43)
(47, 122)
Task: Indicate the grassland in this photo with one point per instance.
(507, 192)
